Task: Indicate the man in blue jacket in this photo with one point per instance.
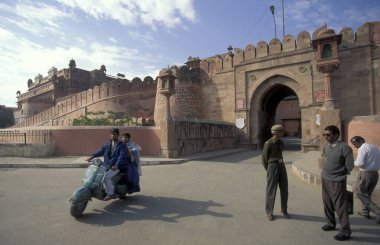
(114, 153)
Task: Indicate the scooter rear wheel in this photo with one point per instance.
(77, 209)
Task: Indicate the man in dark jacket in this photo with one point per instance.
(115, 154)
(339, 162)
(276, 172)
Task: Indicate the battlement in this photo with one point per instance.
(366, 34)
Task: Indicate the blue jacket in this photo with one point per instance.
(118, 158)
(132, 173)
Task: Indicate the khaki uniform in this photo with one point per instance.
(276, 174)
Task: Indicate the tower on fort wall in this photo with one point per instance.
(186, 101)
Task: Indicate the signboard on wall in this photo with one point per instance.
(239, 104)
(319, 96)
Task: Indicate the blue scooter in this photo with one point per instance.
(93, 187)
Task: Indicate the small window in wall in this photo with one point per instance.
(327, 52)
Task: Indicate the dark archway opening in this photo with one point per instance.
(280, 105)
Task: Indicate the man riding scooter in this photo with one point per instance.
(115, 155)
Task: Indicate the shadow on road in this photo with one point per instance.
(142, 207)
(303, 217)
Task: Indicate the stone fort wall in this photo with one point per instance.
(136, 97)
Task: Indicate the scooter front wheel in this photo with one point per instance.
(77, 209)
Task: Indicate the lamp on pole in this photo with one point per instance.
(271, 8)
(283, 19)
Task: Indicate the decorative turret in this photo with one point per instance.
(72, 64)
(166, 83)
(326, 46)
(30, 82)
(103, 69)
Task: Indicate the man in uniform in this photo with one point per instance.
(339, 162)
(276, 172)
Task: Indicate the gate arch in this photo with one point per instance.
(264, 101)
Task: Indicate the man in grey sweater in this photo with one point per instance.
(339, 162)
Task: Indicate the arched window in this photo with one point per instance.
(327, 52)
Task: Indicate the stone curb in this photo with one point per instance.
(316, 180)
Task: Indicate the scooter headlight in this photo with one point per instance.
(97, 162)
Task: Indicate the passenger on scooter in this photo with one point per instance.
(115, 155)
(133, 171)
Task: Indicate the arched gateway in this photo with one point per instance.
(264, 105)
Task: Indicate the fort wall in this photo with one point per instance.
(136, 97)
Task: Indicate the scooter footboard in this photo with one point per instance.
(81, 194)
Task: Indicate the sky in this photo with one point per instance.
(139, 37)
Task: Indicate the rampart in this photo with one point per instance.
(136, 97)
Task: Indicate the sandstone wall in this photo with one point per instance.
(366, 126)
(136, 97)
(76, 140)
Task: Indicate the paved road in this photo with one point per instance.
(219, 201)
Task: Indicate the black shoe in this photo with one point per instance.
(364, 214)
(286, 215)
(342, 236)
(270, 217)
(328, 227)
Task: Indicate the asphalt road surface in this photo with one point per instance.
(219, 201)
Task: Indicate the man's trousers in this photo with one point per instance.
(276, 175)
(365, 184)
(334, 196)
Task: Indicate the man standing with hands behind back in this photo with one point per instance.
(339, 162)
(276, 172)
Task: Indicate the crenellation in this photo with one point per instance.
(238, 56)
(90, 96)
(227, 62)
(249, 52)
(362, 34)
(84, 97)
(113, 88)
(261, 49)
(103, 91)
(136, 85)
(96, 93)
(348, 37)
(218, 64)
(289, 44)
(303, 40)
(275, 46)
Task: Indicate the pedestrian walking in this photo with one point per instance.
(339, 162)
(273, 163)
(368, 161)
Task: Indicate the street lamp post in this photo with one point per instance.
(271, 8)
(283, 19)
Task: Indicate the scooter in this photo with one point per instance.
(93, 187)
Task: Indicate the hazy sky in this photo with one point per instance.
(140, 37)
